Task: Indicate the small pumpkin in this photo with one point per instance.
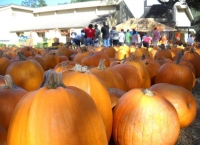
(4, 63)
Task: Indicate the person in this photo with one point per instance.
(72, 35)
(145, 35)
(134, 37)
(164, 39)
(90, 34)
(82, 37)
(128, 38)
(121, 37)
(78, 38)
(105, 35)
(115, 36)
(155, 36)
(146, 41)
(190, 40)
(97, 36)
(177, 37)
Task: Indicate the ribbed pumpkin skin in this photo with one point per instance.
(61, 116)
(98, 92)
(182, 100)
(175, 74)
(27, 74)
(144, 120)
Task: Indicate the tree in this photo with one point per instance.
(34, 3)
(195, 4)
(63, 3)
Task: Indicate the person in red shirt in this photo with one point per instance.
(90, 34)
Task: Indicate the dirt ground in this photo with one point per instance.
(191, 135)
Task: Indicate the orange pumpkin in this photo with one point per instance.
(183, 101)
(81, 78)
(9, 97)
(109, 76)
(115, 94)
(176, 74)
(144, 117)
(26, 73)
(65, 65)
(163, 53)
(56, 109)
(94, 58)
(51, 60)
(131, 75)
(4, 63)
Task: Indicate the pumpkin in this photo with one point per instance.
(65, 65)
(183, 101)
(94, 58)
(4, 63)
(9, 97)
(56, 115)
(64, 51)
(81, 78)
(140, 65)
(26, 73)
(38, 59)
(194, 59)
(131, 75)
(176, 74)
(110, 51)
(144, 117)
(163, 53)
(109, 76)
(27, 51)
(51, 60)
(82, 54)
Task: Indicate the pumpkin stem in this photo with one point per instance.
(179, 58)
(162, 47)
(101, 65)
(80, 68)
(147, 92)
(21, 56)
(1, 54)
(9, 83)
(52, 80)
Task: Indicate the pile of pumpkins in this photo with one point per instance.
(90, 96)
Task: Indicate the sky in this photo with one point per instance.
(18, 2)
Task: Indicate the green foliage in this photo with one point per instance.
(195, 4)
(34, 3)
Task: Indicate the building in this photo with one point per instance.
(36, 24)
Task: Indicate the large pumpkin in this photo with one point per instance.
(80, 77)
(26, 73)
(56, 115)
(143, 117)
(183, 101)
